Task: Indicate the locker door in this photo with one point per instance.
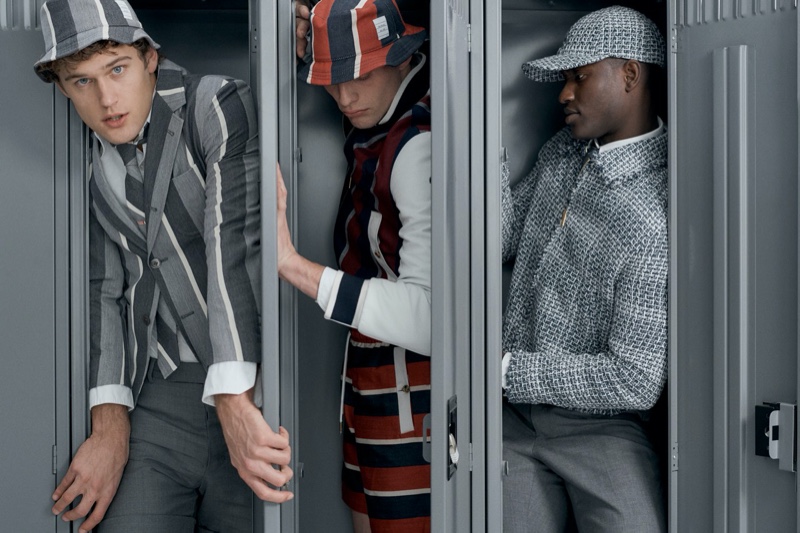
(34, 380)
(734, 284)
(264, 43)
(451, 266)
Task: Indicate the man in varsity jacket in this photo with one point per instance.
(174, 284)
(367, 59)
(585, 333)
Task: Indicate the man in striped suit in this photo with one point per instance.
(367, 58)
(174, 242)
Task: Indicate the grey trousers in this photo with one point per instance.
(597, 470)
(179, 477)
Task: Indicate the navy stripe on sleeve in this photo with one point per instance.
(344, 310)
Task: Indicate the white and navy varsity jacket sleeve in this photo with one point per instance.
(397, 312)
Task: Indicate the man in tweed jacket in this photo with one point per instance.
(585, 334)
(174, 236)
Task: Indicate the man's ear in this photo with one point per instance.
(151, 60)
(61, 88)
(405, 66)
(633, 72)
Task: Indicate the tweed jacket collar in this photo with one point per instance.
(625, 162)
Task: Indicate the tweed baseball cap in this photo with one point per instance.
(611, 32)
(69, 26)
(350, 38)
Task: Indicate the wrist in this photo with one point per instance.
(111, 420)
(234, 403)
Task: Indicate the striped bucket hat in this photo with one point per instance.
(615, 31)
(69, 26)
(349, 38)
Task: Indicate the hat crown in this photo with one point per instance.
(352, 37)
(377, 22)
(69, 26)
(616, 31)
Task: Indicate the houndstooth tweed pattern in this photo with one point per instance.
(611, 32)
(586, 320)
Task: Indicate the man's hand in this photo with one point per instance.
(254, 448)
(286, 249)
(302, 24)
(97, 467)
(292, 266)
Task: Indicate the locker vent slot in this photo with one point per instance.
(693, 12)
(20, 14)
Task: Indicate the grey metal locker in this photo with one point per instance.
(734, 213)
(34, 226)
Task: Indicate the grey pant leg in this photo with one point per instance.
(227, 504)
(178, 464)
(608, 466)
(534, 497)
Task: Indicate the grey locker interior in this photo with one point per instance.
(734, 233)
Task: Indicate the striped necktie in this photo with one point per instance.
(134, 183)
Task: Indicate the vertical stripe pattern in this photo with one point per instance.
(198, 277)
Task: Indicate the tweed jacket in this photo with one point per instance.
(586, 320)
(190, 262)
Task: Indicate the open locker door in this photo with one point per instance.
(451, 267)
(272, 45)
(734, 282)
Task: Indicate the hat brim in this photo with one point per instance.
(550, 68)
(318, 72)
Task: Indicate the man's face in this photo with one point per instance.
(112, 91)
(365, 100)
(594, 100)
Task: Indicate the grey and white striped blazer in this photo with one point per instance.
(197, 254)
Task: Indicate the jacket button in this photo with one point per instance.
(155, 262)
(146, 320)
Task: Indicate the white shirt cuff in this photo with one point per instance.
(325, 287)
(119, 394)
(505, 365)
(231, 377)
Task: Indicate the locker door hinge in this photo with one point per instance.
(470, 457)
(674, 457)
(469, 38)
(55, 459)
(673, 39)
(298, 154)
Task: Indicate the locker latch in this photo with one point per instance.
(776, 430)
(452, 431)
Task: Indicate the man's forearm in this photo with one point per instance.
(302, 273)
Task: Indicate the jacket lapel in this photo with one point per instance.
(163, 139)
(109, 208)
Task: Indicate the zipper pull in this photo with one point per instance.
(564, 216)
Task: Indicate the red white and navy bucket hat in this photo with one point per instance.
(350, 38)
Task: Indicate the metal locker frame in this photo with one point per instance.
(451, 276)
(487, 156)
